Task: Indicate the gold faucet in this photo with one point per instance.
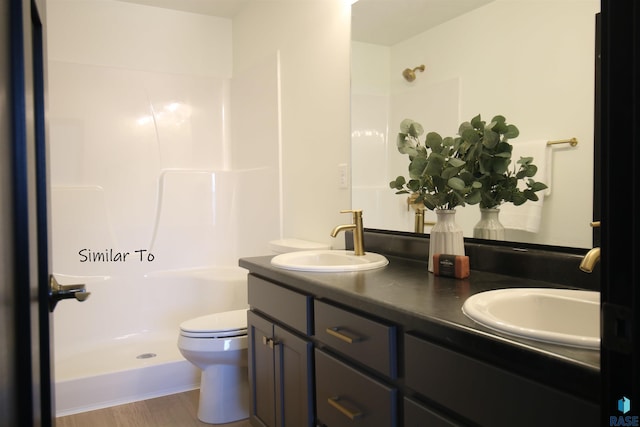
(358, 243)
(590, 260)
(592, 257)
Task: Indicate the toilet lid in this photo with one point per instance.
(217, 325)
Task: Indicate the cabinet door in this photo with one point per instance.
(280, 376)
(261, 371)
(294, 384)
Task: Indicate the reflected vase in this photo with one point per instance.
(489, 226)
(446, 236)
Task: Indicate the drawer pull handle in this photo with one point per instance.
(352, 415)
(341, 335)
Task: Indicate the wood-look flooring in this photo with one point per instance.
(176, 410)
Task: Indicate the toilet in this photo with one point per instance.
(217, 344)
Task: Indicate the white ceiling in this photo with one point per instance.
(221, 8)
(384, 22)
(387, 22)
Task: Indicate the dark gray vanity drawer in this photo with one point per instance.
(487, 394)
(369, 342)
(346, 397)
(289, 307)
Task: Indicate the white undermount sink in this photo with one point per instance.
(561, 316)
(330, 261)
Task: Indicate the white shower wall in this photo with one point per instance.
(131, 107)
(118, 129)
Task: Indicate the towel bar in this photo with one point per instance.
(573, 142)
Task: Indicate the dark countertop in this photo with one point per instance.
(430, 306)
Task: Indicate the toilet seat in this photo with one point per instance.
(217, 325)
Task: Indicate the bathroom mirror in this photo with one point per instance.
(530, 61)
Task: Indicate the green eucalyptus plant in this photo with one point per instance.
(487, 155)
(437, 174)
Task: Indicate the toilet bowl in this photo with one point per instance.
(217, 344)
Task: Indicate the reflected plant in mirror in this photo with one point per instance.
(486, 150)
(472, 168)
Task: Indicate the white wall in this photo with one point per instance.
(530, 61)
(255, 150)
(312, 39)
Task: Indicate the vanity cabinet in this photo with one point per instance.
(322, 354)
(280, 358)
(486, 394)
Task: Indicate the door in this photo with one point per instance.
(25, 363)
(620, 289)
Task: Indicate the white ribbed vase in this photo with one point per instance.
(446, 236)
(489, 226)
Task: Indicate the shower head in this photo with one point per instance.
(410, 75)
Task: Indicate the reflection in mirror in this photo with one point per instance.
(530, 61)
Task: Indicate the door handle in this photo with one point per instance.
(59, 292)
